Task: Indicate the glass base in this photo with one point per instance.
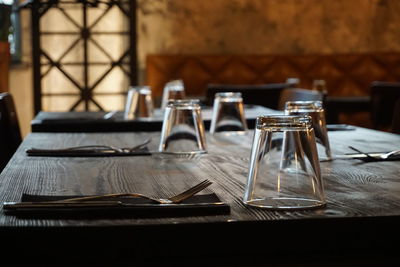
(285, 203)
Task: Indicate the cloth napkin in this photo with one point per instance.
(85, 153)
(197, 205)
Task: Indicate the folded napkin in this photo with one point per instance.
(198, 205)
(85, 152)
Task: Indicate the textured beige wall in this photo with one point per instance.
(248, 27)
(267, 26)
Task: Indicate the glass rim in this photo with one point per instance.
(283, 121)
(175, 87)
(183, 102)
(228, 94)
(304, 105)
(139, 88)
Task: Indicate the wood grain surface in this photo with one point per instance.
(353, 188)
(363, 199)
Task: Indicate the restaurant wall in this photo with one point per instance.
(244, 27)
(267, 27)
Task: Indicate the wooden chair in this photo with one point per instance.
(297, 94)
(266, 95)
(10, 135)
(396, 118)
(384, 96)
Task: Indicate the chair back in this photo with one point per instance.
(298, 94)
(10, 135)
(396, 118)
(266, 95)
(383, 99)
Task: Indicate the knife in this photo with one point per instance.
(90, 204)
(58, 204)
(362, 156)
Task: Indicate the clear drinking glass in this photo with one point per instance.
(228, 114)
(173, 90)
(317, 113)
(284, 170)
(139, 103)
(183, 128)
(293, 82)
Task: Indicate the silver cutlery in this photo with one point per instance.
(109, 115)
(389, 154)
(92, 148)
(92, 201)
(174, 199)
(378, 156)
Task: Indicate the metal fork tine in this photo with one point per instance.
(175, 199)
(200, 185)
(190, 192)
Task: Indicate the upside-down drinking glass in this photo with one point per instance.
(173, 90)
(183, 128)
(228, 114)
(284, 171)
(315, 110)
(139, 103)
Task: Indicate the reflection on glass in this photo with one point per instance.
(317, 113)
(183, 128)
(139, 103)
(173, 90)
(228, 114)
(284, 171)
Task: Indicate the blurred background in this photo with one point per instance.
(262, 28)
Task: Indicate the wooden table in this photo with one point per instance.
(94, 122)
(360, 223)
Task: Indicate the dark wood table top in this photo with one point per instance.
(362, 213)
(94, 121)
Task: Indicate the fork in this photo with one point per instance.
(94, 147)
(172, 200)
(387, 155)
(382, 156)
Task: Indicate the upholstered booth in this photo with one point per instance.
(384, 96)
(345, 74)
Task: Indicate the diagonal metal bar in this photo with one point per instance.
(124, 71)
(119, 5)
(118, 62)
(96, 103)
(57, 65)
(69, 49)
(73, 107)
(72, 20)
(47, 72)
(100, 17)
(101, 48)
(46, 6)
